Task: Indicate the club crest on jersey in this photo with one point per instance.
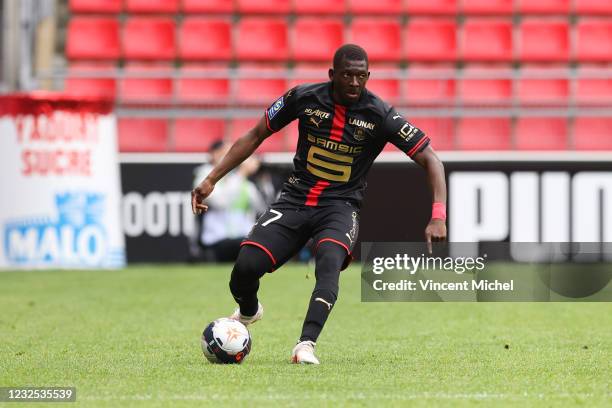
(276, 107)
(359, 134)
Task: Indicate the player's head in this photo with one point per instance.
(349, 73)
(217, 150)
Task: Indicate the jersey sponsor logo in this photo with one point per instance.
(276, 107)
(407, 131)
(317, 112)
(361, 123)
(314, 121)
(335, 146)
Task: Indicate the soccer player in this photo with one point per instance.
(342, 128)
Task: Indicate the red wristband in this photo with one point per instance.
(438, 211)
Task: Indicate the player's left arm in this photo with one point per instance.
(415, 143)
(428, 160)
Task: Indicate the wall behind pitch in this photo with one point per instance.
(490, 202)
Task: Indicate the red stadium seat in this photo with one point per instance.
(93, 38)
(261, 39)
(541, 134)
(208, 6)
(595, 7)
(439, 90)
(543, 40)
(196, 135)
(319, 7)
(149, 38)
(146, 89)
(592, 133)
(413, 7)
(594, 40)
(263, 6)
(211, 90)
(152, 6)
(309, 73)
(95, 6)
(487, 40)
(594, 86)
(428, 39)
(385, 82)
(380, 37)
(487, 6)
(542, 86)
(316, 39)
(94, 86)
(142, 135)
(439, 130)
(484, 134)
(275, 143)
(370, 7)
(216, 31)
(487, 86)
(252, 89)
(544, 6)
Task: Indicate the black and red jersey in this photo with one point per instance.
(337, 144)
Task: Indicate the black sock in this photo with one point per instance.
(251, 265)
(329, 259)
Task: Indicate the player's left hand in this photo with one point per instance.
(435, 232)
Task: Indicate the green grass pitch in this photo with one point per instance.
(132, 338)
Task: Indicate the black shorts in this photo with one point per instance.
(285, 228)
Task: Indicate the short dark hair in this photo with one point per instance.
(351, 52)
(216, 145)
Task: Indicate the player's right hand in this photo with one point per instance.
(199, 194)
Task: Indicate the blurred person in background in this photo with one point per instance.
(232, 211)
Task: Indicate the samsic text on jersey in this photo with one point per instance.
(337, 144)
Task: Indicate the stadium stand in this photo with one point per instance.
(192, 86)
(486, 86)
(594, 40)
(593, 133)
(246, 53)
(541, 133)
(483, 134)
(217, 33)
(485, 39)
(143, 135)
(418, 90)
(152, 6)
(430, 7)
(593, 7)
(543, 40)
(496, 7)
(95, 6)
(97, 86)
(143, 86)
(320, 7)
(93, 38)
(368, 7)
(262, 39)
(207, 6)
(428, 39)
(252, 88)
(316, 38)
(196, 134)
(149, 38)
(380, 37)
(538, 85)
(263, 6)
(543, 6)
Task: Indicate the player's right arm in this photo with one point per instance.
(278, 115)
(239, 152)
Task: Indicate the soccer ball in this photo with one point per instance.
(226, 341)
